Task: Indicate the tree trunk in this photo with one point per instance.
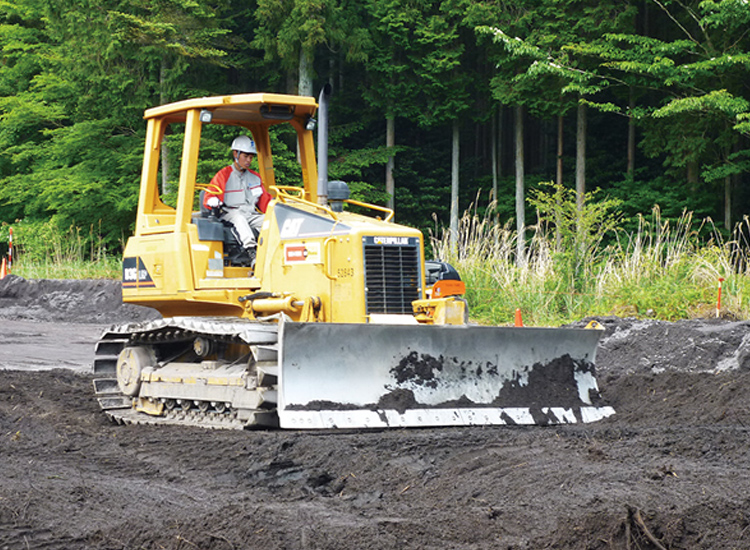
(305, 73)
(559, 157)
(559, 176)
(520, 206)
(292, 79)
(305, 81)
(544, 153)
(692, 174)
(631, 135)
(496, 144)
(729, 181)
(728, 203)
(164, 149)
(580, 156)
(331, 72)
(390, 141)
(580, 179)
(497, 155)
(454, 188)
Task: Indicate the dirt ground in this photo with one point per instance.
(671, 470)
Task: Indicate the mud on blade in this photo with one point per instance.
(362, 376)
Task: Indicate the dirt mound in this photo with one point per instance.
(79, 301)
(649, 346)
(669, 470)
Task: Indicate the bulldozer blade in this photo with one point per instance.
(374, 376)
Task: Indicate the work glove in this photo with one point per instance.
(214, 204)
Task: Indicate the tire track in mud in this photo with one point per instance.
(676, 452)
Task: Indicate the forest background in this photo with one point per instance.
(438, 107)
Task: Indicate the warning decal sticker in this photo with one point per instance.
(302, 253)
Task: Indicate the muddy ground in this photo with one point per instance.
(670, 470)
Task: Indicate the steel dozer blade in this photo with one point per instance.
(374, 376)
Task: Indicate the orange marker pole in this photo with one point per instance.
(10, 251)
(718, 302)
(519, 320)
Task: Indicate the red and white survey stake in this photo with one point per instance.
(10, 251)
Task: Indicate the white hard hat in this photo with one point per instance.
(244, 144)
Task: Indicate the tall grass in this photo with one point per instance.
(573, 269)
(43, 251)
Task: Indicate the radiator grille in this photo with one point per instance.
(391, 274)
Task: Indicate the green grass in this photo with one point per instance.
(664, 271)
(108, 268)
(43, 251)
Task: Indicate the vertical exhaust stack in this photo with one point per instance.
(330, 193)
(323, 145)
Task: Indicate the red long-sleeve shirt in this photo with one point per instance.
(237, 188)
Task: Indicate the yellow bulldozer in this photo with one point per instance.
(340, 322)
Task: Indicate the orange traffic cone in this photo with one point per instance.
(3, 270)
(519, 321)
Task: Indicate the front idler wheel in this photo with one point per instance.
(130, 364)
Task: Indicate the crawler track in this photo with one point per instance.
(208, 372)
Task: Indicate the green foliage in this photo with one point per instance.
(284, 29)
(697, 63)
(71, 136)
(352, 165)
(539, 70)
(579, 229)
(661, 267)
(391, 81)
(73, 182)
(715, 101)
(48, 250)
(671, 197)
(75, 78)
(284, 147)
(108, 268)
(664, 270)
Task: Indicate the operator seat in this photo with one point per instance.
(211, 228)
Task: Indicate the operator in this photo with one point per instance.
(242, 199)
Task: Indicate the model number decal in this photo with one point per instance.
(135, 274)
